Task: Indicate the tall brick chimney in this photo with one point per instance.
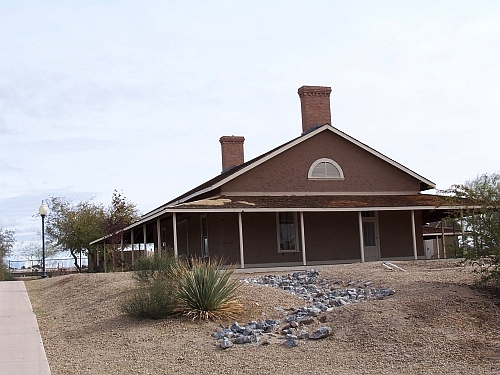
(315, 105)
(232, 151)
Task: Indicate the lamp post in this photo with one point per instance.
(42, 210)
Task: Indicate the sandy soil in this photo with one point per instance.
(435, 323)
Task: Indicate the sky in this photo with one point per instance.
(134, 96)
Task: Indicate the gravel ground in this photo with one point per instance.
(434, 324)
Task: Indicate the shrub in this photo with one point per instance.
(155, 296)
(5, 275)
(197, 289)
(206, 291)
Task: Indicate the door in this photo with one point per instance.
(370, 236)
(429, 248)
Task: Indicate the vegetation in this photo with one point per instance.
(155, 296)
(6, 243)
(72, 226)
(481, 225)
(34, 252)
(168, 286)
(207, 292)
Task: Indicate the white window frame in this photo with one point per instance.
(325, 160)
(296, 230)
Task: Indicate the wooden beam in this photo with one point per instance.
(303, 239)
(240, 229)
(414, 235)
(361, 237)
(174, 223)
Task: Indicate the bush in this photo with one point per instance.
(206, 291)
(155, 296)
(167, 286)
(5, 275)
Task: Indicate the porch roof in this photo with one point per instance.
(435, 206)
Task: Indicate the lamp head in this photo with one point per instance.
(42, 210)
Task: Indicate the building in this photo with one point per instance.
(321, 198)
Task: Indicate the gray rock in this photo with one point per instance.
(302, 334)
(321, 333)
(226, 343)
(243, 340)
(236, 328)
(291, 343)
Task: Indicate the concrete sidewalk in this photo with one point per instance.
(21, 347)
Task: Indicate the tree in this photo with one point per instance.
(481, 224)
(72, 226)
(120, 213)
(33, 251)
(7, 241)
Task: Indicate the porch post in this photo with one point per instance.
(97, 249)
(444, 244)
(174, 221)
(132, 244)
(463, 230)
(438, 248)
(361, 239)
(144, 233)
(303, 239)
(413, 234)
(240, 229)
(158, 236)
(104, 252)
(122, 256)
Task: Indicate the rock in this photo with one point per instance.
(291, 343)
(236, 328)
(302, 335)
(306, 321)
(226, 343)
(243, 339)
(321, 333)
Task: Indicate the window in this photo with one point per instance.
(204, 236)
(287, 232)
(325, 169)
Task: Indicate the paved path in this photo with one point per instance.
(21, 347)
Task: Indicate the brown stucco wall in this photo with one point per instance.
(287, 172)
(331, 236)
(396, 235)
(260, 240)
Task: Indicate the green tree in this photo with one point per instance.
(7, 241)
(72, 226)
(481, 224)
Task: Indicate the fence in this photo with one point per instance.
(52, 265)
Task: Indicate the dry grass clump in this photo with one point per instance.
(168, 286)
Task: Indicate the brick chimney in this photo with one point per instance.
(232, 151)
(315, 105)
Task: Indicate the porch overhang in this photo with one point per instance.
(435, 207)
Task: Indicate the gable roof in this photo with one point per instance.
(231, 174)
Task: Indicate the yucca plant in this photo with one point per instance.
(206, 291)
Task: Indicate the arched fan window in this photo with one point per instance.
(325, 169)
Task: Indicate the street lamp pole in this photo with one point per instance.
(42, 210)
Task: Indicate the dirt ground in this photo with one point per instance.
(435, 323)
